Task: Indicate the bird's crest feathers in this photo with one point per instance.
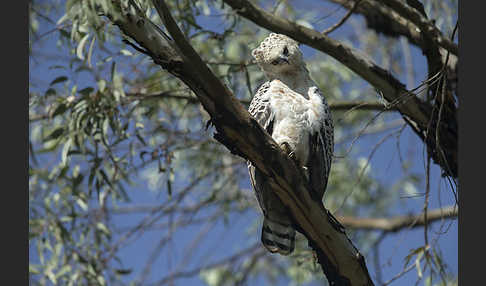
(275, 46)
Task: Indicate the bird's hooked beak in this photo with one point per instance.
(281, 59)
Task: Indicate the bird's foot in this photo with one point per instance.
(286, 147)
(288, 150)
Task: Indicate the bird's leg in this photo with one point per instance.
(286, 147)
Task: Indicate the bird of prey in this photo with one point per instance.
(291, 108)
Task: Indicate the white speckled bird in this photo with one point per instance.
(290, 107)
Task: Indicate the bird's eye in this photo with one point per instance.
(285, 51)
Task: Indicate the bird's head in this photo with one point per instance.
(278, 54)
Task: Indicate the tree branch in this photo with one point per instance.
(425, 26)
(384, 19)
(338, 24)
(395, 224)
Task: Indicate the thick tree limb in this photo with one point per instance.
(399, 19)
(431, 41)
(416, 112)
(395, 224)
(238, 131)
(425, 26)
(394, 18)
(383, 19)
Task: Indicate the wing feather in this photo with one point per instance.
(321, 148)
(260, 109)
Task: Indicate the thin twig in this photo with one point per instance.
(338, 24)
(426, 200)
(403, 272)
(427, 27)
(364, 169)
(231, 259)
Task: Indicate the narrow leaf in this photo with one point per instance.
(58, 80)
(79, 49)
(90, 51)
(65, 151)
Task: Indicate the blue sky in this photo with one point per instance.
(224, 239)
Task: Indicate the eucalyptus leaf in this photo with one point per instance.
(58, 80)
(80, 48)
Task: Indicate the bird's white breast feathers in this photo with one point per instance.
(296, 116)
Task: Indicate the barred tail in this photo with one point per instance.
(277, 237)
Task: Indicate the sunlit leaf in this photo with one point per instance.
(80, 48)
(65, 152)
